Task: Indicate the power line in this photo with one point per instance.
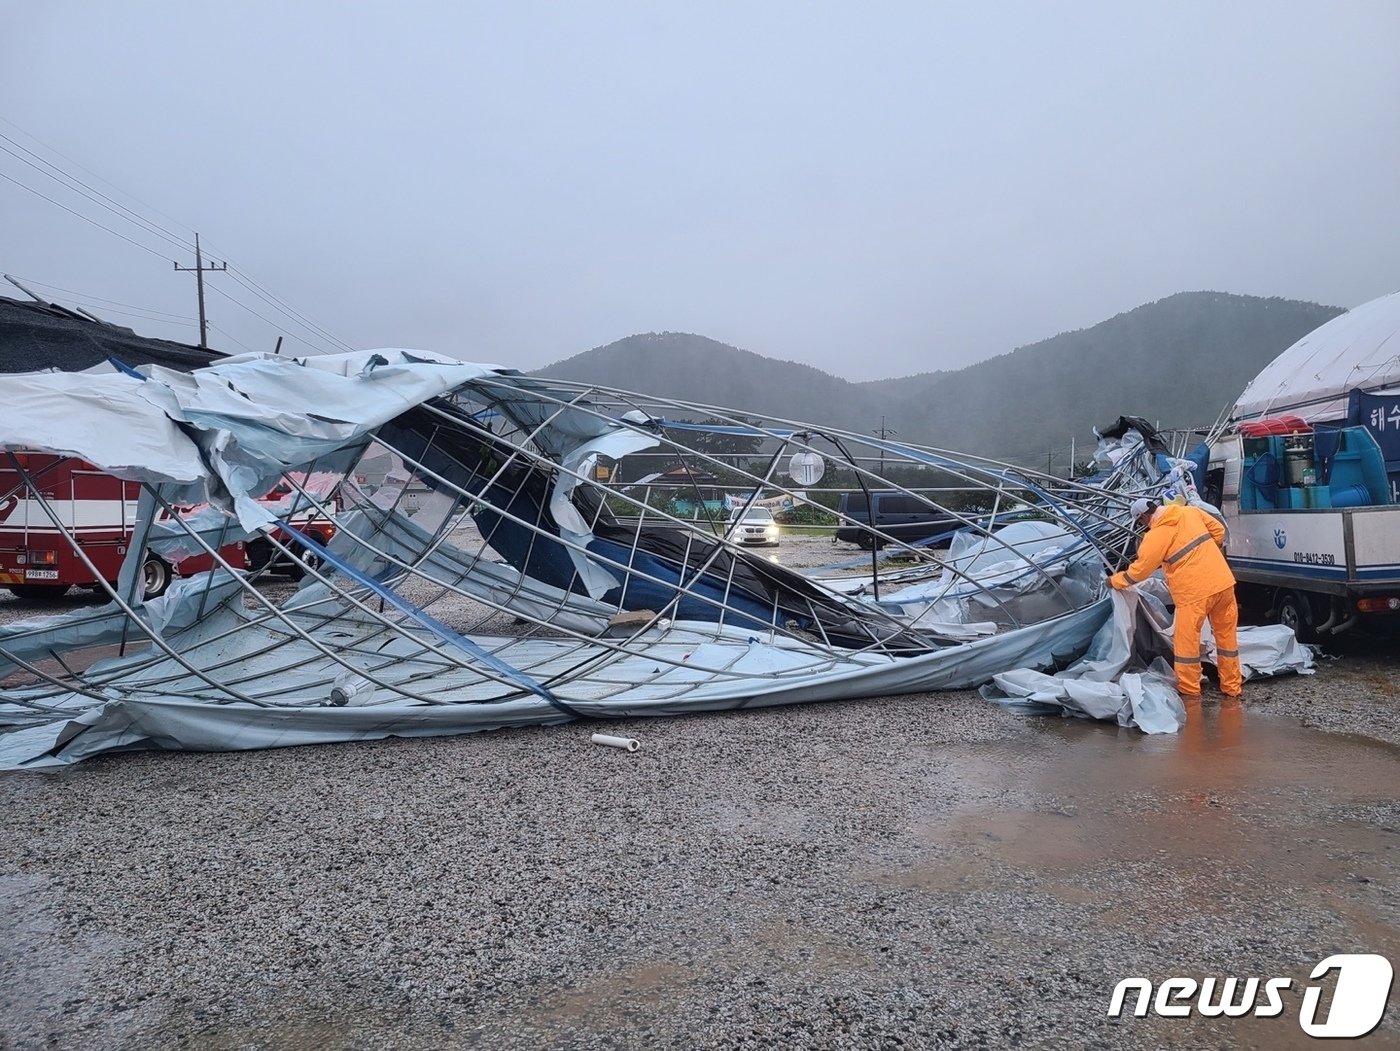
(97, 197)
(288, 309)
(80, 215)
(267, 321)
(324, 334)
(167, 319)
(89, 171)
(198, 266)
(245, 280)
(232, 337)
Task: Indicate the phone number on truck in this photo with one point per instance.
(1314, 558)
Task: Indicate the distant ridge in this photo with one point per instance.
(696, 368)
(1178, 360)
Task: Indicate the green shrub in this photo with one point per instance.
(806, 514)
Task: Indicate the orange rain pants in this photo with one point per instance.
(1224, 617)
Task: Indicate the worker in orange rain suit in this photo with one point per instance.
(1189, 543)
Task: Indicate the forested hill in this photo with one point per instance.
(681, 365)
(1180, 360)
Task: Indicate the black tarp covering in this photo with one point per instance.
(1121, 426)
(36, 336)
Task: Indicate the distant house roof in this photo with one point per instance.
(36, 336)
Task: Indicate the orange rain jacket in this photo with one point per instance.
(1188, 542)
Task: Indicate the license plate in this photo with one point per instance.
(41, 574)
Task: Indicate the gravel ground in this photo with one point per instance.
(905, 872)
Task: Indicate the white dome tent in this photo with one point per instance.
(1312, 379)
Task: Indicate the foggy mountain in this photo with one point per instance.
(1180, 360)
(699, 369)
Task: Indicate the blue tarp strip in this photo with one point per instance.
(122, 366)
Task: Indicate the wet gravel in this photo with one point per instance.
(908, 872)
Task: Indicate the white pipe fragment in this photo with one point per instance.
(617, 742)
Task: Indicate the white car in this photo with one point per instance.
(754, 526)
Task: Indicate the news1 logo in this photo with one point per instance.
(1358, 1000)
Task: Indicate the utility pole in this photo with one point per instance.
(199, 270)
(882, 431)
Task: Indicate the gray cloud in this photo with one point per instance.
(871, 189)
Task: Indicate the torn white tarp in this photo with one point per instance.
(107, 420)
(577, 462)
(256, 416)
(1099, 685)
(1103, 684)
(1266, 649)
(1146, 700)
(1015, 557)
(232, 429)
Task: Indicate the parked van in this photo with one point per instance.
(898, 516)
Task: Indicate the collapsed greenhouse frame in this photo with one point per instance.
(563, 605)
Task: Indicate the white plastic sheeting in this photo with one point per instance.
(108, 420)
(1109, 682)
(1017, 557)
(229, 431)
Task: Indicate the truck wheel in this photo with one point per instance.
(155, 576)
(295, 570)
(1293, 611)
(39, 592)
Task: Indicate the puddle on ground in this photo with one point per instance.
(613, 993)
(1236, 791)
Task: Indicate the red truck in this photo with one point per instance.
(37, 561)
(262, 553)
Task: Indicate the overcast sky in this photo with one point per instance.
(874, 189)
